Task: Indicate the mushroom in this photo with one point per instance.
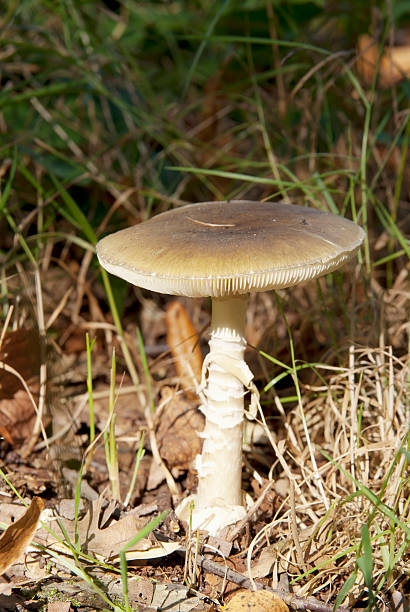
(225, 250)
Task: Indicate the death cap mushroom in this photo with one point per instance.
(226, 250)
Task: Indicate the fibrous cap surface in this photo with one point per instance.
(229, 248)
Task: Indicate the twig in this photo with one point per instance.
(6, 325)
(297, 603)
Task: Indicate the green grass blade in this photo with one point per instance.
(365, 562)
(76, 508)
(221, 8)
(140, 454)
(143, 533)
(75, 211)
(89, 348)
(345, 590)
(372, 497)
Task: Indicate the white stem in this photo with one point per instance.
(219, 498)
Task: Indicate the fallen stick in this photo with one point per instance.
(296, 602)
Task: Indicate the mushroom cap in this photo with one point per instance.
(229, 248)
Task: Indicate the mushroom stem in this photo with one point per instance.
(220, 465)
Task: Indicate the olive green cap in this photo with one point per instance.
(228, 248)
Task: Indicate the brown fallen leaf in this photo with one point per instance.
(31, 480)
(258, 601)
(107, 543)
(394, 64)
(184, 345)
(367, 53)
(59, 606)
(20, 352)
(264, 565)
(177, 598)
(16, 538)
(17, 415)
(177, 437)
(140, 589)
(4, 433)
(6, 589)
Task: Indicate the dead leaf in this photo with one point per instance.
(394, 64)
(264, 564)
(4, 433)
(6, 589)
(17, 415)
(176, 598)
(184, 345)
(219, 544)
(67, 508)
(140, 589)
(177, 438)
(59, 606)
(401, 603)
(32, 479)
(156, 476)
(258, 601)
(71, 477)
(107, 543)
(16, 538)
(155, 551)
(20, 351)
(367, 51)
